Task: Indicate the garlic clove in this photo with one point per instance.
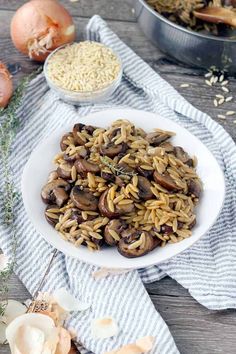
(4, 261)
(68, 302)
(41, 322)
(102, 328)
(13, 309)
(3, 327)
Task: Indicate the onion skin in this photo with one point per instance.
(40, 26)
(6, 86)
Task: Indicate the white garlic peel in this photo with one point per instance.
(68, 302)
(102, 328)
(13, 309)
(40, 328)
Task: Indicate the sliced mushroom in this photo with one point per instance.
(119, 181)
(112, 150)
(166, 181)
(126, 168)
(104, 209)
(192, 224)
(145, 173)
(114, 133)
(77, 215)
(83, 199)
(183, 156)
(125, 244)
(125, 208)
(144, 187)
(52, 218)
(64, 171)
(52, 176)
(60, 196)
(77, 129)
(52, 192)
(167, 146)
(166, 229)
(116, 225)
(110, 177)
(83, 167)
(194, 188)
(83, 152)
(62, 144)
(158, 137)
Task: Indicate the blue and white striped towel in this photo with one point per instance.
(211, 275)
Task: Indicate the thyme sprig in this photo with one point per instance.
(116, 169)
(9, 123)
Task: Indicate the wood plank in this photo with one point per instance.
(112, 9)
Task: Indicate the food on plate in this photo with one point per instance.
(122, 187)
(186, 13)
(83, 67)
(49, 26)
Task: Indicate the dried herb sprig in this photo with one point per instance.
(116, 169)
(9, 122)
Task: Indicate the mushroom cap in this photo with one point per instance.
(84, 199)
(124, 245)
(49, 189)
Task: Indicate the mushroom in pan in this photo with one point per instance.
(136, 244)
(113, 231)
(158, 137)
(144, 187)
(183, 156)
(166, 181)
(55, 192)
(112, 150)
(83, 199)
(83, 167)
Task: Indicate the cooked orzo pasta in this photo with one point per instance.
(83, 67)
(122, 187)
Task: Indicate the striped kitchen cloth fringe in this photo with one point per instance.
(207, 270)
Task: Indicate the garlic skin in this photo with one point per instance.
(39, 326)
(13, 309)
(68, 302)
(102, 328)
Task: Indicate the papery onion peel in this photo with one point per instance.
(40, 26)
(6, 87)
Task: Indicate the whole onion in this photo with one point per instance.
(40, 26)
(6, 87)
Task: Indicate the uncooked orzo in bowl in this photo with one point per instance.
(122, 187)
(83, 67)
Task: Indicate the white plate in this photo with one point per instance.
(207, 211)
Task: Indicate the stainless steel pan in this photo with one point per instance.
(192, 48)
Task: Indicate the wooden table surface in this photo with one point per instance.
(196, 329)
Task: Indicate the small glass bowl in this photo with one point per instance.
(83, 97)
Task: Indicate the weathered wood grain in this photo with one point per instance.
(195, 329)
(112, 9)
